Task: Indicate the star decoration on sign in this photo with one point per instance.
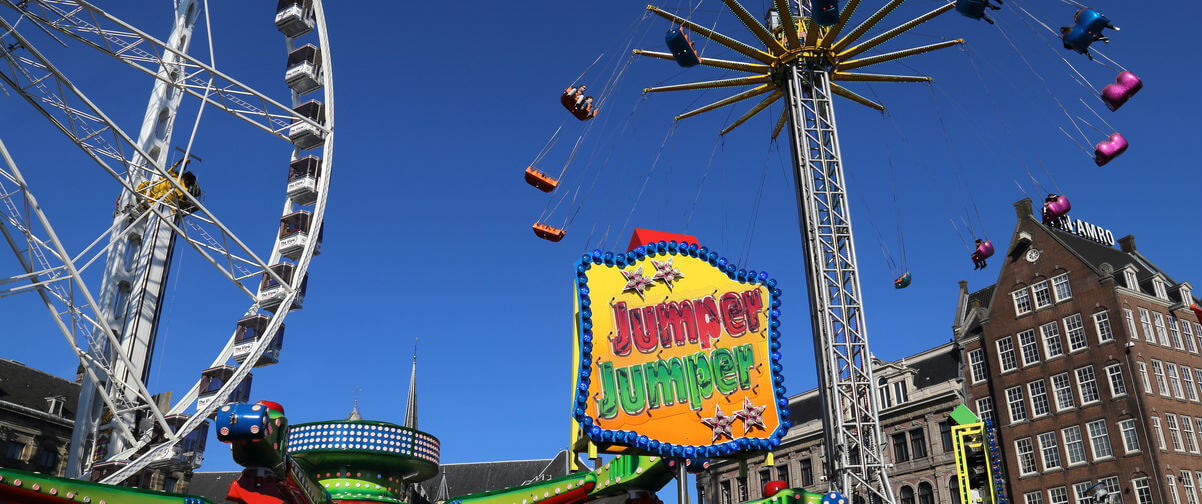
(753, 416)
(636, 281)
(721, 423)
(666, 272)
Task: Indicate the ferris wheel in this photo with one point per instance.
(120, 427)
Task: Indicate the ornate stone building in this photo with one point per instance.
(1087, 357)
(915, 393)
(37, 412)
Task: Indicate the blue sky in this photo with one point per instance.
(440, 107)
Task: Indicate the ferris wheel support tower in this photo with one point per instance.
(803, 63)
(138, 262)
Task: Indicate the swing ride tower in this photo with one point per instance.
(803, 63)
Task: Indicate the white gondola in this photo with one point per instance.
(271, 293)
(249, 330)
(295, 233)
(303, 72)
(186, 455)
(211, 381)
(293, 17)
(302, 133)
(302, 180)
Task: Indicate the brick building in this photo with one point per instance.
(1087, 357)
(37, 413)
(915, 393)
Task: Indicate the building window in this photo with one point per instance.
(901, 452)
(1189, 336)
(1127, 314)
(1174, 431)
(985, 408)
(1175, 333)
(1050, 449)
(1099, 439)
(1087, 385)
(1052, 347)
(1114, 374)
(1159, 433)
(1112, 487)
(1060, 287)
(1187, 432)
(1145, 321)
(1130, 437)
(1058, 495)
(1022, 301)
(1143, 492)
(1174, 497)
(1101, 323)
(1175, 380)
(1033, 497)
(1074, 446)
(1026, 456)
(945, 432)
(907, 494)
(883, 391)
(926, 494)
(1030, 347)
(1076, 333)
(765, 476)
(976, 362)
(1158, 287)
(1187, 376)
(1039, 399)
(918, 443)
(900, 391)
(782, 473)
(1198, 333)
(49, 458)
(1160, 332)
(1143, 377)
(1080, 492)
(1063, 389)
(169, 484)
(1043, 296)
(1018, 407)
(742, 484)
(1005, 354)
(1161, 384)
(726, 492)
(807, 472)
(954, 488)
(1130, 279)
(15, 450)
(1198, 374)
(1187, 484)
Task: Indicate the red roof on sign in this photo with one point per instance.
(642, 237)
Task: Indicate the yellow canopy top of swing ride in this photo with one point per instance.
(805, 40)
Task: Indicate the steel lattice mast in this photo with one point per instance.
(800, 63)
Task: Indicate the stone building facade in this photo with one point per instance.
(1087, 357)
(916, 394)
(37, 413)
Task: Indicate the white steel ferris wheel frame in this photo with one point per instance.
(51, 271)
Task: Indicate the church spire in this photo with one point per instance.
(355, 409)
(411, 405)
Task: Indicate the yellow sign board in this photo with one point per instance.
(677, 354)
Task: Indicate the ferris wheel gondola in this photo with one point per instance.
(121, 428)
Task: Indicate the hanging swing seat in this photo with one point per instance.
(1087, 29)
(975, 9)
(1109, 149)
(1197, 310)
(1056, 209)
(551, 234)
(582, 111)
(1125, 86)
(984, 251)
(540, 180)
(902, 282)
(825, 12)
(681, 48)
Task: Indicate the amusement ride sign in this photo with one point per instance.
(1086, 230)
(677, 353)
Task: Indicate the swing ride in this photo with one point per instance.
(804, 59)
